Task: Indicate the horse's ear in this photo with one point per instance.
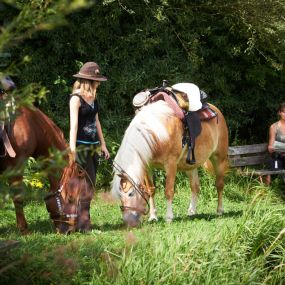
(122, 176)
(124, 180)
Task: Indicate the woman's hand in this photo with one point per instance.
(105, 151)
(271, 149)
(72, 156)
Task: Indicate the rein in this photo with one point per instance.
(139, 188)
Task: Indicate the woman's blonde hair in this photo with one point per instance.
(85, 87)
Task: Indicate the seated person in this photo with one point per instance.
(276, 144)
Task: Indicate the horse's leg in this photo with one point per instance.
(53, 187)
(220, 166)
(18, 200)
(171, 169)
(195, 188)
(220, 175)
(151, 191)
(152, 210)
(20, 216)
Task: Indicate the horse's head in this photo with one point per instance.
(69, 206)
(134, 199)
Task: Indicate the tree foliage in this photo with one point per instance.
(234, 50)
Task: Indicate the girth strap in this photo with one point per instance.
(6, 141)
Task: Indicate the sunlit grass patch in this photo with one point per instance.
(243, 246)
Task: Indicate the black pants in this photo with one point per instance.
(277, 161)
(87, 157)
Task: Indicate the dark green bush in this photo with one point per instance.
(231, 50)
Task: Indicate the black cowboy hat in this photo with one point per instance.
(90, 71)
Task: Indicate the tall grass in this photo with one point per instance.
(244, 246)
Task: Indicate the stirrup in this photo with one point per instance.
(188, 160)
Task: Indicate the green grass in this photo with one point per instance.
(244, 246)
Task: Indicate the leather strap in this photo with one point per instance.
(7, 143)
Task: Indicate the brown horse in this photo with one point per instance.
(154, 139)
(33, 134)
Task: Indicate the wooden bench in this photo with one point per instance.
(252, 155)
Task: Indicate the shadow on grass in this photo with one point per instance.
(41, 226)
(161, 221)
(209, 217)
(109, 227)
(46, 226)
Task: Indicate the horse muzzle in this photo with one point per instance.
(131, 218)
(65, 218)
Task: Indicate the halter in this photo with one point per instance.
(58, 215)
(139, 188)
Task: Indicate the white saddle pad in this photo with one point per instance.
(193, 94)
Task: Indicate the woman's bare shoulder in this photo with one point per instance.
(273, 126)
(74, 100)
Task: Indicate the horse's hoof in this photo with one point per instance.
(169, 219)
(25, 232)
(191, 213)
(220, 212)
(153, 218)
(83, 229)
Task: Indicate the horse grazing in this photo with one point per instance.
(154, 139)
(33, 134)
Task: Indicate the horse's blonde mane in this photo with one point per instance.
(139, 140)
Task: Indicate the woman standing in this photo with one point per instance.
(86, 133)
(85, 127)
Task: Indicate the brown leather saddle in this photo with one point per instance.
(193, 128)
(179, 102)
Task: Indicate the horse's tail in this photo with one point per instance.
(218, 161)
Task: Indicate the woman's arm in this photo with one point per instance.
(101, 138)
(272, 135)
(74, 105)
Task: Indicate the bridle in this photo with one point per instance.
(139, 188)
(55, 206)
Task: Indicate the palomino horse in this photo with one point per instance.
(154, 138)
(33, 134)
